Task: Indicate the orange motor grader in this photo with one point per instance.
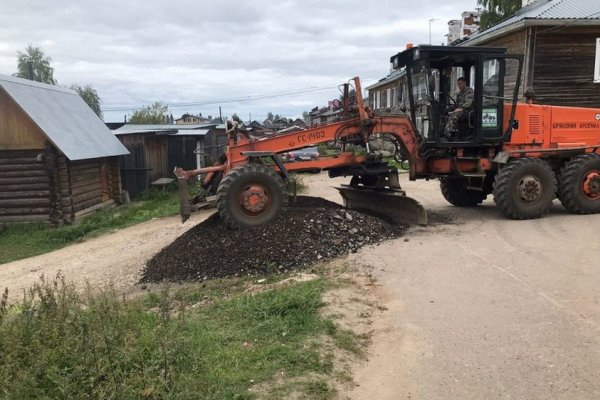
(524, 154)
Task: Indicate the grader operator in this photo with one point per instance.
(523, 154)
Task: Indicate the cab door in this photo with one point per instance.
(500, 81)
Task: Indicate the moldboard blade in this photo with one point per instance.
(389, 204)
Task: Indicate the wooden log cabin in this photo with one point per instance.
(155, 150)
(560, 41)
(58, 161)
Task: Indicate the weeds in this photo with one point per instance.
(63, 344)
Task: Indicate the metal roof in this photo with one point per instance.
(385, 80)
(148, 128)
(64, 118)
(545, 11)
(189, 130)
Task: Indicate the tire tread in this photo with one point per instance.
(568, 182)
(502, 190)
(235, 174)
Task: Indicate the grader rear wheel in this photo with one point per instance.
(251, 195)
(579, 184)
(525, 188)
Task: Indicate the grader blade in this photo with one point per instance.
(185, 209)
(389, 204)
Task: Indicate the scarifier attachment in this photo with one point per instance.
(185, 209)
(392, 204)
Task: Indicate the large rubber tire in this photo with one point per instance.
(238, 180)
(456, 193)
(525, 188)
(574, 176)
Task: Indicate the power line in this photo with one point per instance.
(231, 100)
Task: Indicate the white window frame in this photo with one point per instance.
(597, 64)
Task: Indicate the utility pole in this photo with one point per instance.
(220, 115)
(430, 21)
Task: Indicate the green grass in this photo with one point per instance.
(19, 241)
(59, 344)
(393, 163)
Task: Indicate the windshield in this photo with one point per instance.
(421, 98)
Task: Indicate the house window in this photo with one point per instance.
(597, 65)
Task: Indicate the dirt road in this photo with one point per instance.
(115, 258)
(485, 307)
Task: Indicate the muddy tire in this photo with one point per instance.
(456, 193)
(251, 195)
(525, 188)
(579, 184)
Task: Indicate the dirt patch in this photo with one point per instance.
(311, 230)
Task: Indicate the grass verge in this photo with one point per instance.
(19, 241)
(57, 343)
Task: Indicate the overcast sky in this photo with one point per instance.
(136, 52)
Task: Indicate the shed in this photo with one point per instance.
(58, 161)
(155, 150)
(560, 40)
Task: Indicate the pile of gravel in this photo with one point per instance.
(312, 229)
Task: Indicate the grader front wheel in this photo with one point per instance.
(251, 195)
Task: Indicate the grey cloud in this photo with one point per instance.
(135, 52)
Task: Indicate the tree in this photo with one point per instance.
(497, 10)
(351, 97)
(153, 114)
(42, 70)
(90, 96)
(270, 116)
(306, 116)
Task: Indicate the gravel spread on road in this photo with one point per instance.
(311, 230)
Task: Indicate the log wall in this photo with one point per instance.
(24, 186)
(559, 63)
(43, 185)
(564, 61)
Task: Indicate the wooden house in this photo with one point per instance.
(560, 41)
(155, 150)
(58, 161)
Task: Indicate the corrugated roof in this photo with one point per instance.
(147, 128)
(182, 130)
(64, 118)
(545, 10)
(191, 132)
